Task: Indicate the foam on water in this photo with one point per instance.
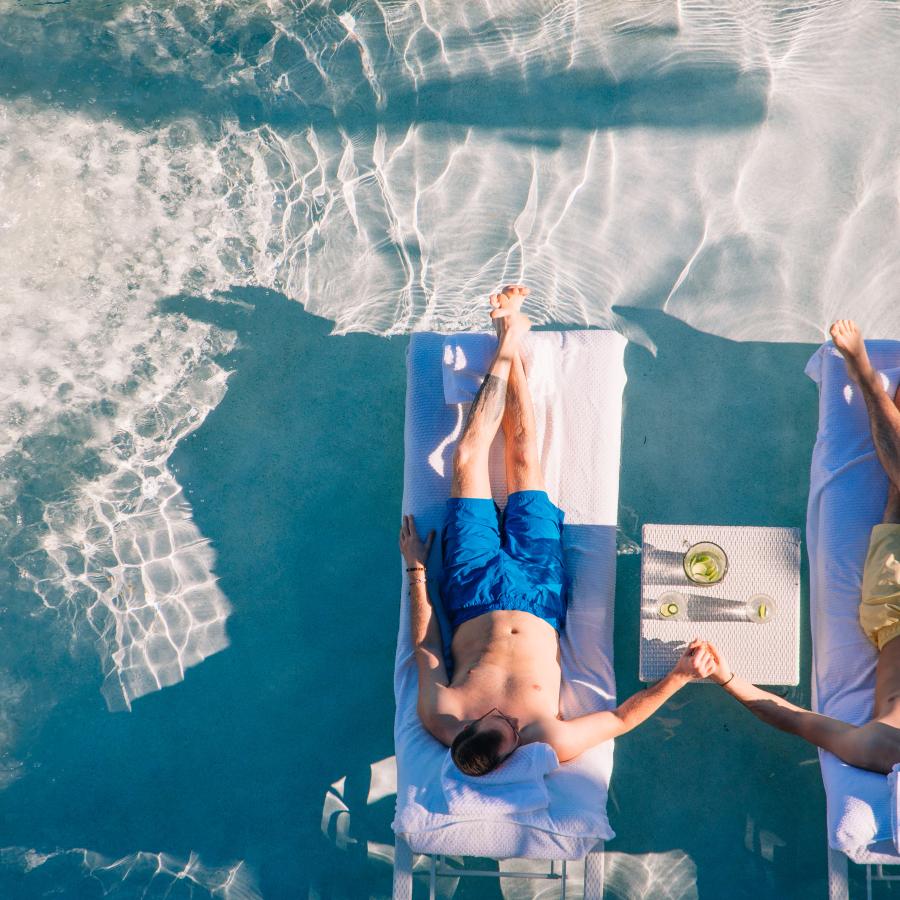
(97, 388)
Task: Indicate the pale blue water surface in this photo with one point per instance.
(202, 207)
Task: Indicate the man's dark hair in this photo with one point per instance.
(477, 752)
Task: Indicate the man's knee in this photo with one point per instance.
(468, 453)
(522, 456)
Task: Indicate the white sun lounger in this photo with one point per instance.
(848, 489)
(577, 379)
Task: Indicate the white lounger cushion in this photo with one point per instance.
(579, 435)
(847, 494)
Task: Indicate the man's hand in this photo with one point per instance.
(721, 670)
(415, 551)
(696, 661)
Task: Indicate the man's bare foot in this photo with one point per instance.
(511, 297)
(849, 340)
(506, 310)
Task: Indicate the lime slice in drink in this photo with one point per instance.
(760, 609)
(705, 563)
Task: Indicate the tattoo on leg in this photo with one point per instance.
(886, 438)
(489, 402)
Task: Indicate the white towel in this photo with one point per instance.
(578, 415)
(467, 357)
(847, 493)
(515, 786)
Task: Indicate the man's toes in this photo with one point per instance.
(516, 290)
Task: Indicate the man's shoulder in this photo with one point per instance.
(544, 729)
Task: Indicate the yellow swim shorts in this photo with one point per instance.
(879, 611)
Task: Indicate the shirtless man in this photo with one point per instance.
(875, 745)
(504, 590)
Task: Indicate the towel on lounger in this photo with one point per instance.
(515, 786)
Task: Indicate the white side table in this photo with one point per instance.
(762, 562)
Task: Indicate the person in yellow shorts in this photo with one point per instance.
(875, 745)
(879, 611)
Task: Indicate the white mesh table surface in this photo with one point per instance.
(760, 561)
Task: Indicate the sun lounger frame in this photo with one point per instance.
(839, 875)
(594, 872)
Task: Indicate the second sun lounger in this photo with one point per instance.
(847, 495)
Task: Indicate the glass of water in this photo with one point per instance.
(705, 563)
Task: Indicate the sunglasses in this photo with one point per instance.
(508, 721)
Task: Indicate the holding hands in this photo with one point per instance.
(695, 662)
(702, 660)
(721, 672)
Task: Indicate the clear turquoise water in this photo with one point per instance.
(203, 209)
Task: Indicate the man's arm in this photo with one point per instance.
(848, 742)
(572, 737)
(833, 735)
(435, 704)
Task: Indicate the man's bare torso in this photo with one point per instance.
(508, 659)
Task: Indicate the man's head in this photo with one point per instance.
(485, 743)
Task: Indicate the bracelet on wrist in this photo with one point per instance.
(723, 683)
(415, 568)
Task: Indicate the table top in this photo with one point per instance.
(763, 563)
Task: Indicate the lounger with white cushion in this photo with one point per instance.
(847, 495)
(577, 379)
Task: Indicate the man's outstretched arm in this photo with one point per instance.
(572, 737)
(435, 708)
(848, 742)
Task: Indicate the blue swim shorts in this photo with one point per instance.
(512, 560)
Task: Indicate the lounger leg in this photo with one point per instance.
(594, 874)
(838, 885)
(403, 876)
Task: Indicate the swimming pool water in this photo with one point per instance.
(202, 207)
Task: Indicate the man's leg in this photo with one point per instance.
(470, 461)
(523, 467)
(884, 416)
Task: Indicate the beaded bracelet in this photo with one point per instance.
(416, 569)
(418, 581)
